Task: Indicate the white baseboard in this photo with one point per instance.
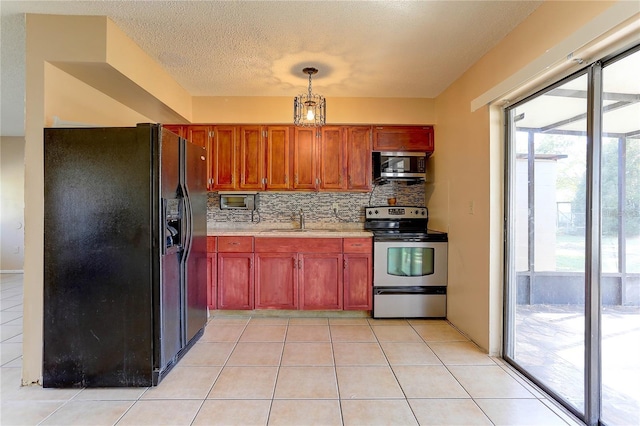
(11, 271)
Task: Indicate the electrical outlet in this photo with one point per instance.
(334, 207)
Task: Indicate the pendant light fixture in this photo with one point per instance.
(309, 109)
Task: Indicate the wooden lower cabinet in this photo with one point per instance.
(235, 281)
(358, 269)
(235, 273)
(212, 279)
(276, 281)
(212, 272)
(292, 273)
(320, 281)
(357, 282)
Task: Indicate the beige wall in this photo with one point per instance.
(274, 110)
(466, 196)
(69, 101)
(12, 203)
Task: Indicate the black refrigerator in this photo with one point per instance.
(124, 254)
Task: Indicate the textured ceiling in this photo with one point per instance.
(258, 48)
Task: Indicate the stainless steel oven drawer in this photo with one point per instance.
(427, 302)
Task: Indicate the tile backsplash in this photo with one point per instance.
(281, 208)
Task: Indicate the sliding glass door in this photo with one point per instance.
(620, 337)
(572, 271)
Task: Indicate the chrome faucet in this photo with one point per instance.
(301, 214)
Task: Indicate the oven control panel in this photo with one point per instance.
(396, 212)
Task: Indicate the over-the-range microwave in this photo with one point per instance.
(238, 200)
(411, 166)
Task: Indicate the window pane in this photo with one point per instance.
(621, 243)
(549, 225)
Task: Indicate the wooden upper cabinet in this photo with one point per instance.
(199, 135)
(281, 157)
(223, 164)
(252, 157)
(278, 164)
(178, 129)
(305, 166)
(403, 138)
(358, 163)
(332, 158)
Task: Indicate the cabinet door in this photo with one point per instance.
(304, 159)
(224, 154)
(235, 280)
(332, 156)
(178, 129)
(212, 272)
(252, 157)
(278, 158)
(357, 281)
(359, 158)
(321, 281)
(403, 138)
(212, 278)
(199, 135)
(276, 281)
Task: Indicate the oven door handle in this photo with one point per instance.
(410, 290)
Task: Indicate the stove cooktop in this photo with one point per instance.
(400, 223)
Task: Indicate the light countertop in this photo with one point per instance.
(310, 231)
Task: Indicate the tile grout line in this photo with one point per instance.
(235, 344)
(452, 375)
(335, 372)
(406, 398)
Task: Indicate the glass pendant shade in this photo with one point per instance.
(309, 109)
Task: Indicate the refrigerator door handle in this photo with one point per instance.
(188, 235)
(165, 225)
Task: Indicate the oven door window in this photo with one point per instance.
(410, 261)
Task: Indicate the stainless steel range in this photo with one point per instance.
(409, 263)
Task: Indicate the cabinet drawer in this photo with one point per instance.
(357, 245)
(298, 245)
(235, 244)
(211, 245)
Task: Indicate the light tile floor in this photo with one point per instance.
(292, 371)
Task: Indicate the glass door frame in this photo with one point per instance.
(593, 262)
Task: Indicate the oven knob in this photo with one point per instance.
(376, 212)
(423, 213)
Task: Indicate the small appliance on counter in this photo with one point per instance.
(409, 263)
